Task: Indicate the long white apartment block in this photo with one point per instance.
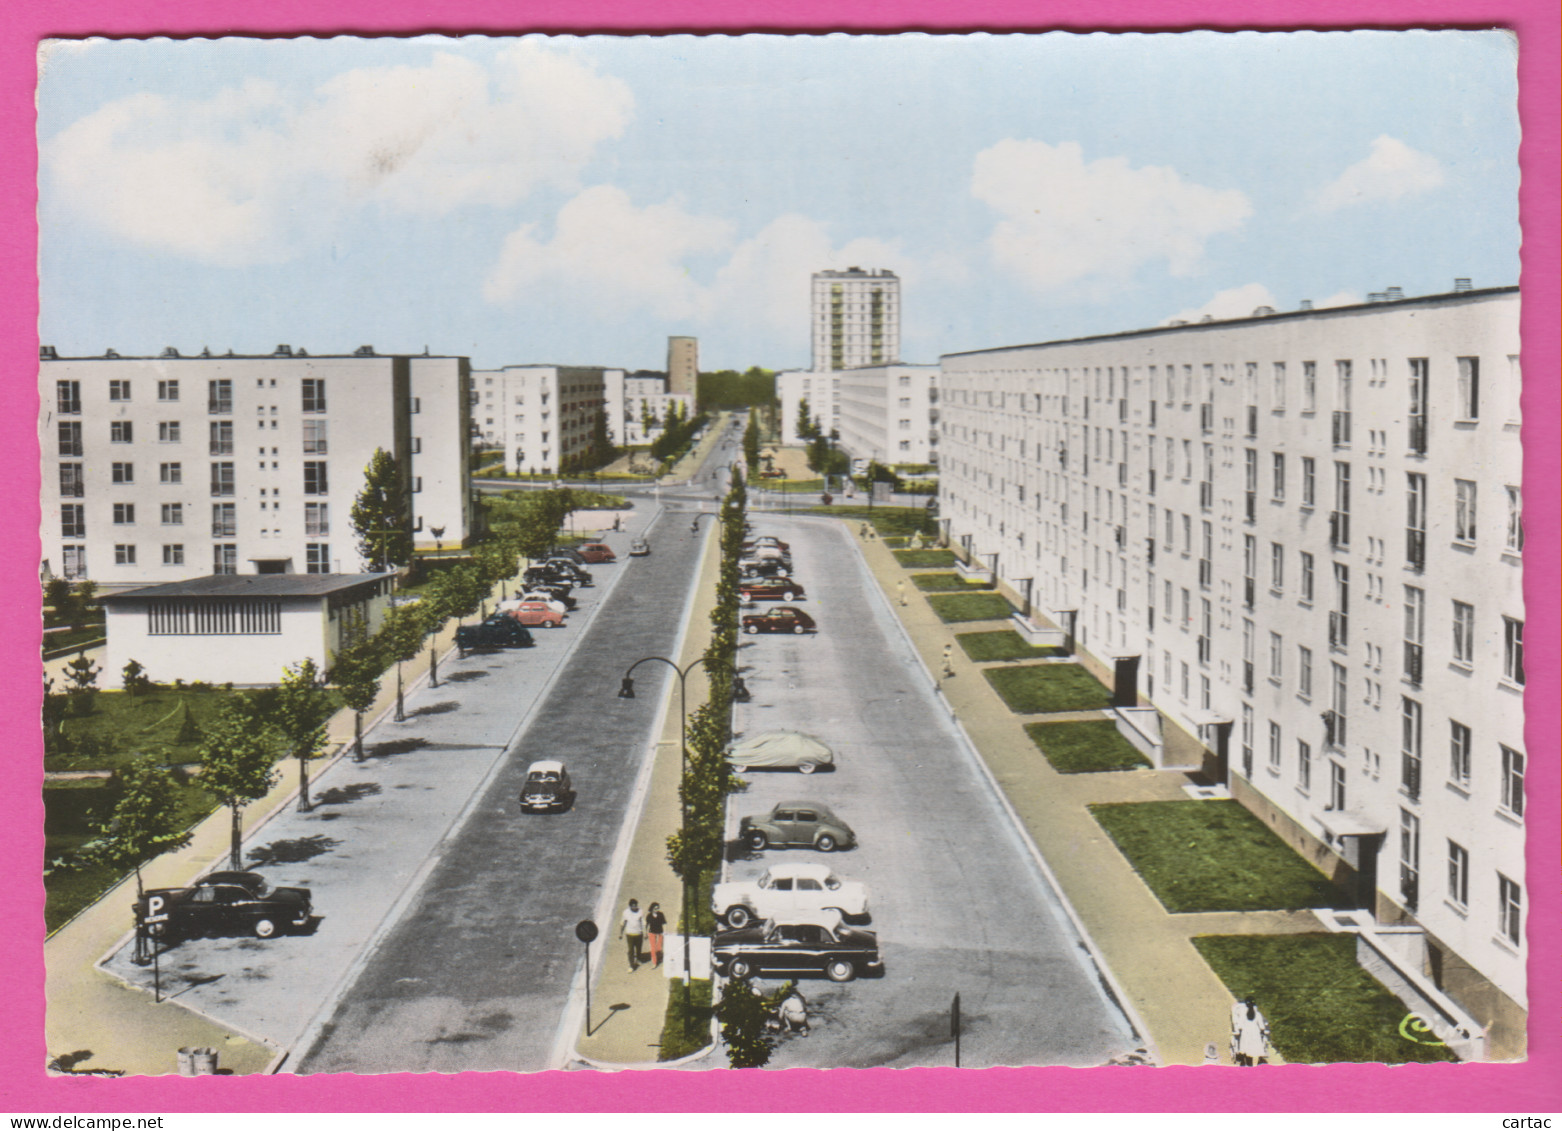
(158, 469)
(1308, 528)
(855, 318)
(889, 413)
(541, 416)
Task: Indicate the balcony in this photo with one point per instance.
(1413, 659)
(1418, 435)
(1339, 629)
(1415, 549)
(1149, 551)
(1339, 529)
(1341, 431)
(218, 406)
(73, 490)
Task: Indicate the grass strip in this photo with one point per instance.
(926, 559)
(1005, 644)
(970, 606)
(1042, 689)
(1087, 747)
(942, 583)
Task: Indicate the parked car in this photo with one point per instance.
(498, 631)
(536, 614)
(563, 567)
(224, 903)
(770, 589)
(787, 890)
(639, 548)
(772, 473)
(781, 750)
(796, 824)
(767, 553)
(750, 568)
(767, 540)
(543, 592)
(595, 552)
(803, 944)
(547, 788)
(782, 618)
(574, 554)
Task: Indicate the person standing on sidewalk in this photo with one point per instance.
(655, 925)
(632, 928)
(949, 661)
(900, 591)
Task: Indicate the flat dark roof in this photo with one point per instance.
(253, 585)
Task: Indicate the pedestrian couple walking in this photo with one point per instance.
(643, 927)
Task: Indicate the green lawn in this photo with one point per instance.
(685, 1032)
(1212, 856)
(886, 520)
(73, 638)
(971, 606)
(942, 583)
(1039, 689)
(1321, 1006)
(1005, 644)
(1085, 747)
(166, 723)
(926, 559)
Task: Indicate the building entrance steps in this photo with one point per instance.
(1148, 950)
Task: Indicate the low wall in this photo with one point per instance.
(1039, 636)
(1446, 1021)
(1141, 726)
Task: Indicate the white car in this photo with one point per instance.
(786, 891)
(556, 605)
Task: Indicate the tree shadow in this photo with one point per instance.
(342, 795)
(434, 709)
(399, 746)
(465, 676)
(294, 851)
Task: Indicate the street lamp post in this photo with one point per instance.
(626, 690)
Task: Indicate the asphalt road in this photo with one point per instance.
(958, 903)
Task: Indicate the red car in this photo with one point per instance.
(537, 614)
(771, 589)
(783, 618)
(595, 552)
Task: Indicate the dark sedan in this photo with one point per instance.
(224, 903)
(807, 943)
(783, 618)
(770, 588)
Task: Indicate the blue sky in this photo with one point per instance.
(557, 200)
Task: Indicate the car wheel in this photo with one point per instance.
(839, 970)
(738, 917)
(789, 595)
(798, 629)
(264, 928)
(806, 767)
(739, 969)
(751, 629)
(826, 843)
(758, 841)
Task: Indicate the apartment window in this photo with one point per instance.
(219, 399)
(75, 562)
(225, 558)
(171, 474)
(222, 479)
(119, 390)
(317, 519)
(73, 521)
(1342, 382)
(1247, 741)
(1415, 632)
(417, 445)
(1339, 616)
(1309, 386)
(315, 482)
(1464, 633)
(124, 553)
(1276, 656)
(122, 473)
(73, 485)
(1276, 566)
(1458, 875)
(1409, 859)
(1458, 753)
(1339, 519)
(1410, 747)
(173, 554)
(314, 394)
(1304, 766)
(1250, 484)
(1417, 415)
(317, 557)
(1278, 382)
(1306, 578)
(124, 514)
(1338, 698)
(1274, 746)
(1277, 472)
(1513, 650)
(173, 514)
(1415, 521)
(1469, 388)
(1513, 781)
(1247, 656)
(225, 523)
(1514, 542)
(70, 438)
(121, 432)
(67, 397)
(168, 390)
(168, 431)
(315, 438)
(1336, 786)
(1464, 511)
(1510, 906)
(221, 438)
(1304, 672)
(1309, 481)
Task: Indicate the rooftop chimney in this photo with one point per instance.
(364, 351)
(110, 353)
(48, 353)
(1376, 296)
(206, 351)
(283, 351)
(1207, 318)
(1394, 294)
(1263, 311)
(1305, 304)
(1462, 285)
(169, 351)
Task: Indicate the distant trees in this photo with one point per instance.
(727, 388)
(380, 516)
(751, 443)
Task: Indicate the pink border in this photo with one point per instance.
(1532, 1087)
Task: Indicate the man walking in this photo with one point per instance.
(949, 664)
(632, 928)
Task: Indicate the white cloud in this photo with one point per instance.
(1064, 219)
(1237, 302)
(1338, 298)
(613, 254)
(252, 173)
(1391, 171)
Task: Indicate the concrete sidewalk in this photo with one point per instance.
(1148, 950)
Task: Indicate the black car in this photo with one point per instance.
(765, 568)
(805, 943)
(569, 552)
(498, 631)
(573, 571)
(224, 903)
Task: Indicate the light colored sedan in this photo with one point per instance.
(787, 891)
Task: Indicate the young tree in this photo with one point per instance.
(56, 704)
(60, 595)
(743, 1014)
(145, 822)
(82, 684)
(134, 678)
(356, 674)
(302, 708)
(751, 441)
(380, 517)
(238, 758)
(401, 637)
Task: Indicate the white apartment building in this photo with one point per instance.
(542, 416)
(888, 413)
(855, 318)
(629, 397)
(159, 469)
(1307, 526)
(822, 391)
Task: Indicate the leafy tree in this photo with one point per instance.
(145, 822)
(751, 441)
(401, 638)
(806, 428)
(743, 1014)
(458, 592)
(134, 678)
(356, 674)
(380, 516)
(301, 709)
(648, 419)
(237, 763)
(56, 704)
(60, 595)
